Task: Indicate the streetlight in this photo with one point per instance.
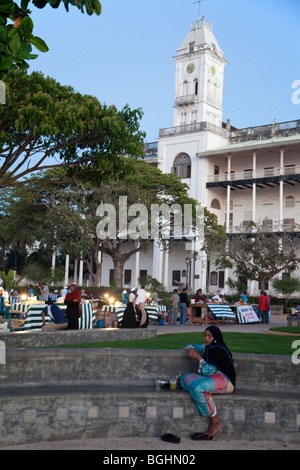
(187, 262)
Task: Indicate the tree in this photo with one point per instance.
(46, 125)
(257, 253)
(71, 218)
(286, 286)
(17, 37)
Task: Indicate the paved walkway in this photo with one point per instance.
(275, 321)
(154, 444)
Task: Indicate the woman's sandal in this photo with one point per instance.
(199, 436)
(170, 438)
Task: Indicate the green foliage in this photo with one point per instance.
(149, 282)
(286, 286)
(45, 125)
(9, 280)
(16, 30)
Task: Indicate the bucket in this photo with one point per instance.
(100, 323)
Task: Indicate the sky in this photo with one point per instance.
(126, 55)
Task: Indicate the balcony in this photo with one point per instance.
(282, 129)
(194, 127)
(290, 228)
(246, 178)
(187, 99)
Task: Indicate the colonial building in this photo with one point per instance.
(238, 174)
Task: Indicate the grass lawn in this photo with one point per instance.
(237, 342)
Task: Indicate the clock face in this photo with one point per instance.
(190, 68)
(213, 70)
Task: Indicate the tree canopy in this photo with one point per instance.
(16, 29)
(69, 211)
(45, 125)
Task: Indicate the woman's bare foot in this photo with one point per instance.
(215, 426)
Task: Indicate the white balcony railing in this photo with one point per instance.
(251, 174)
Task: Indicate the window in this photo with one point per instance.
(143, 273)
(191, 46)
(215, 204)
(213, 278)
(289, 201)
(196, 87)
(182, 166)
(221, 279)
(175, 278)
(288, 223)
(127, 276)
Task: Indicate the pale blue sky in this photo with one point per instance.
(126, 55)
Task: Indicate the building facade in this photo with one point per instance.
(238, 174)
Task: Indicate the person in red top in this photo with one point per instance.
(262, 306)
(73, 310)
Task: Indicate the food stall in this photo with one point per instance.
(210, 313)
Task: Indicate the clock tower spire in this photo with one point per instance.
(199, 77)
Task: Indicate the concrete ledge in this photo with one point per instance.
(56, 394)
(81, 365)
(123, 410)
(40, 339)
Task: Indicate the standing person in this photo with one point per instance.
(183, 305)
(73, 310)
(216, 374)
(173, 310)
(30, 292)
(154, 297)
(267, 308)
(140, 303)
(129, 317)
(262, 306)
(132, 296)
(44, 292)
(64, 291)
(244, 297)
(125, 296)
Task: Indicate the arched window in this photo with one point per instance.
(289, 201)
(182, 166)
(215, 204)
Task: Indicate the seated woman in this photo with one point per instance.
(129, 318)
(216, 374)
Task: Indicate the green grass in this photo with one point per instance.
(237, 342)
(287, 329)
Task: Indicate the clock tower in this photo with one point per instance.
(199, 78)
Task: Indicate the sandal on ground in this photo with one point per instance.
(170, 438)
(199, 436)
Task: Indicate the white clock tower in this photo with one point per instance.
(199, 77)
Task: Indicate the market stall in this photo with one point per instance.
(33, 320)
(211, 312)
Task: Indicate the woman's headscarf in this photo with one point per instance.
(218, 354)
(218, 337)
(73, 295)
